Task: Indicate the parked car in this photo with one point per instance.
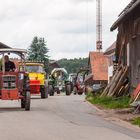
(72, 77)
(97, 87)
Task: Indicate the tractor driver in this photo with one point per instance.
(9, 65)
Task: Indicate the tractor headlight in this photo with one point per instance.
(5, 85)
(13, 84)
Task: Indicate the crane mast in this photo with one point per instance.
(99, 25)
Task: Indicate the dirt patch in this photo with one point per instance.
(126, 114)
(121, 117)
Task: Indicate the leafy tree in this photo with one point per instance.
(38, 51)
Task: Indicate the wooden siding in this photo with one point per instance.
(129, 33)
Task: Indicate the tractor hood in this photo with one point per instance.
(37, 76)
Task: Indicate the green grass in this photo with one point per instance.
(109, 102)
(136, 121)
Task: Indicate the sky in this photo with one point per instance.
(68, 26)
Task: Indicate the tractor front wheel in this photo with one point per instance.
(27, 101)
(23, 103)
(80, 93)
(58, 91)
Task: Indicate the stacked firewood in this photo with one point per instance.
(119, 85)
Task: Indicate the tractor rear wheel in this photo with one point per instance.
(27, 101)
(43, 92)
(50, 90)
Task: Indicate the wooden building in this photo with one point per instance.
(98, 69)
(128, 41)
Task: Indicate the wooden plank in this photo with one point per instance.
(136, 92)
(115, 82)
(106, 90)
(120, 82)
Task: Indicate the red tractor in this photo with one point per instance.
(78, 83)
(14, 83)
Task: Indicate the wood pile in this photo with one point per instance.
(119, 84)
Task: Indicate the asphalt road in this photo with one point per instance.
(58, 118)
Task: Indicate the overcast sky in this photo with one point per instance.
(68, 26)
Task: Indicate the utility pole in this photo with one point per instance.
(98, 25)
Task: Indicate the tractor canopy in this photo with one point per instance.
(59, 74)
(36, 71)
(16, 54)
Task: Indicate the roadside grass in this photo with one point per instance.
(136, 121)
(108, 102)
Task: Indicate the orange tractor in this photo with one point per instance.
(14, 83)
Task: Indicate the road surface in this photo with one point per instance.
(58, 118)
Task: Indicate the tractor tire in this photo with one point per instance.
(68, 90)
(43, 92)
(51, 90)
(80, 93)
(27, 101)
(58, 91)
(46, 90)
(23, 103)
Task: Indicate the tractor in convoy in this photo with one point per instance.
(78, 82)
(59, 82)
(14, 84)
(37, 76)
(72, 79)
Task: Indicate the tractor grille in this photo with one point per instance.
(9, 81)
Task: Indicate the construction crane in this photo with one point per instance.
(99, 25)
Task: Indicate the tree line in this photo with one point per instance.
(73, 65)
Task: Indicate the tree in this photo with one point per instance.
(38, 51)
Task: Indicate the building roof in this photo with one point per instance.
(111, 49)
(99, 67)
(3, 46)
(125, 13)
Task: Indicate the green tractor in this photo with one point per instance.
(58, 82)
